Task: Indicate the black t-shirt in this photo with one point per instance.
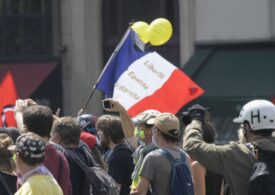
(10, 180)
(121, 167)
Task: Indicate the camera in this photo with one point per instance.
(106, 104)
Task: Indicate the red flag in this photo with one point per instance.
(8, 97)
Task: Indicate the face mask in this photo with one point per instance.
(154, 140)
(14, 157)
(139, 133)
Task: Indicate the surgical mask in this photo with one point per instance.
(154, 140)
(139, 133)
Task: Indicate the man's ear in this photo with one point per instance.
(247, 130)
(24, 129)
(246, 127)
(57, 138)
(18, 158)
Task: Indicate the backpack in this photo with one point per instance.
(98, 180)
(262, 178)
(181, 180)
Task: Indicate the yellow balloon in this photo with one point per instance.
(141, 28)
(160, 31)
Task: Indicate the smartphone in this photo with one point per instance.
(106, 104)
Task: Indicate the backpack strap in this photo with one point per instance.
(82, 165)
(170, 157)
(85, 169)
(180, 178)
(5, 184)
(90, 157)
(149, 149)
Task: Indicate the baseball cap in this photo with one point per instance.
(143, 117)
(29, 146)
(89, 139)
(167, 123)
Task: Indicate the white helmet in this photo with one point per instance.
(260, 114)
(143, 117)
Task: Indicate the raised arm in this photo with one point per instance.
(127, 124)
(20, 106)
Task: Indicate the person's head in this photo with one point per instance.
(109, 130)
(11, 131)
(38, 119)
(257, 118)
(143, 130)
(209, 132)
(30, 151)
(6, 162)
(87, 122)
(66, 131)
(166, 128)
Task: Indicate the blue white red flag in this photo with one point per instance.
(145, 80)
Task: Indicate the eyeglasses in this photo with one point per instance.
(140, 126)
(143, 126)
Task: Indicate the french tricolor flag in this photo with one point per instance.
(145, 80)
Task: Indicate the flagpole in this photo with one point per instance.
(112, 56)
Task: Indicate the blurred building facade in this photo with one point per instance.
(233, 58)
(56, 49)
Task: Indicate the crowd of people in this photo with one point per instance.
(149, 154)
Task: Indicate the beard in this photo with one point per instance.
(104, 142)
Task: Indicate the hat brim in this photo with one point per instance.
(12, 148)
(151, 121)
(136, 120)
(238, 120)
(139, 120)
